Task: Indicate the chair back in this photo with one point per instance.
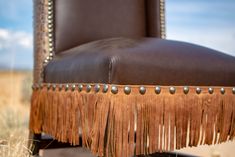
(80, 21)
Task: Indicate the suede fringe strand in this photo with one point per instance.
(121, 125)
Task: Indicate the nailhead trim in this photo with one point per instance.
(198, 90)
(126, 89)
(186, 89)
(211, 90)
(114, 89)
(142, 90)
(172, 90)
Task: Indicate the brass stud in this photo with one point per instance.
(45, 61)
(114, 89)
(88, 88)
(198, 90)
(66, 87)
(54, 87)
(34, 87)
(48, 86)
(233, 90)
(127, 90)
(50, 17)
(186, 89)
(80, 87)
(97, 88)
(51, 49)
(172, 90)
(50, 13)
(210, 90)
(105, 88)
(73, 87)
(50, 27)
(158, 90)
(50, 45)
(142, 90)
(222, 90)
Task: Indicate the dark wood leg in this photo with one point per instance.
(34, 143)
(167, 154)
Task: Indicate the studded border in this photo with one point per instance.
(162, 19)
(43, 36)
(127, 89)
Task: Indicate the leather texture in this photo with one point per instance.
(143, 61)
(81, 21)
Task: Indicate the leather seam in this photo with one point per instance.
(109, 73)
(110, 69)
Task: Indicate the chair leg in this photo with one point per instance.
(34, 143)
(167, 154)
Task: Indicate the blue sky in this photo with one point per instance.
(210, 23)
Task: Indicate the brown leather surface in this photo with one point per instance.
(153, 18)
(149, 61)
(81, 21)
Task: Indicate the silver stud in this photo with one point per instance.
(48, 86)
(233, 90)
(222, 90)
(97, 88)
(73, 87)
(50, 31)
(127, 90)
(60, 87)
(105, 88)
(54, 87)
(114, 89)
(80, 87)
(210, 90)
(186, 89)
(158, 90)
(66, 87)
(49, 17)
(33, 87)
(50, 27)
(142, 90)
(172, 90)
(198, 90)
(45, 61)
(50, 49)
(88, 88)
(51, 54)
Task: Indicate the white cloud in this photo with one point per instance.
(15, 49)
(10, 39)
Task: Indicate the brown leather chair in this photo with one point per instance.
(105, 78)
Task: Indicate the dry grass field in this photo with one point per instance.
(14, 113)
(15, 90)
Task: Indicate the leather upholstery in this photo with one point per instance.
(142, 61)
(81, 21)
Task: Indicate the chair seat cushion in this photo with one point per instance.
(145, 61)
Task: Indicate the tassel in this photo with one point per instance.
(123, 124)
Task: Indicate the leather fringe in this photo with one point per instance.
(126, 125)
